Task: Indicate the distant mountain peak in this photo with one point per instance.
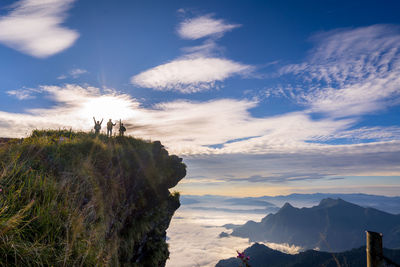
(287, 205)
(329, 202)
(338, 202)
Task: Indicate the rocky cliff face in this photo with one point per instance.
(77, 199)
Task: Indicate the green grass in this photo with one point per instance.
(77, 199)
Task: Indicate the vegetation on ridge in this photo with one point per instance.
(73, 198)
(263, 256)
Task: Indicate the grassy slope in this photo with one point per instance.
(73, 199)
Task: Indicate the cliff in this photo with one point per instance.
(71, 198)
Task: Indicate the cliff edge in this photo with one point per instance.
(72, 198)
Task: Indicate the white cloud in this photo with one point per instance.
(204, 26)
(25, 93)
(34, 27)
(285, 248)
(74, 107)
(298, 167)
(200, 68)
(62, 77)
(387, 133)
(222, 126)
(181, 10)
(75, 73)
(350, 72)
(220, 137)
(206, 49)
(189, 75)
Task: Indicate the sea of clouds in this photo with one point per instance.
(193, 235)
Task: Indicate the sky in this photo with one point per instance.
(258, 97)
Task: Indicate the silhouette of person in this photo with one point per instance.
(97, 125)
(122, 129)
(110, 126)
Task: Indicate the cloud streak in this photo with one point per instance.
(189, 75)
(350, 72)
(200, 68)
(204, 26)
(185, 126)
(221, 142)
(23, 94)
(34, 27)
(74, 73)
(285, 168)
(281, 178)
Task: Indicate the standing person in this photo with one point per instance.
(97, 125)
(110, 126)
(122, 128)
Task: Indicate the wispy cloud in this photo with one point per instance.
(62, 77)
(286, 148)
(280, 177)
(204, 26)
(34, 27)
(350, 72)
(316, 165)
(189, 75)
(25, 93)
(208, 48)
(74, 73)
(185, 126)
(74, 105)
(200, 68)
(387, 133)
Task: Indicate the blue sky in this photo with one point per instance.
(258, 97)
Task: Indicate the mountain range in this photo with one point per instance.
(263, 256)
(333, 225)
(272, 203)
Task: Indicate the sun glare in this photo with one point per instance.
(108, 107)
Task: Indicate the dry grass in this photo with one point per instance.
(76, 199)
